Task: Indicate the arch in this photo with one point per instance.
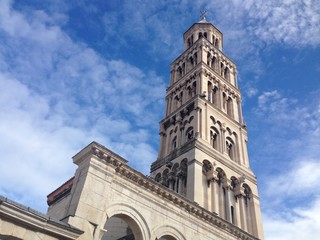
(230, 148)
(158, 177)
(189, 134)
(167, 232)
(229, 109)
(174, 143)
(132, 217)
(215, 138)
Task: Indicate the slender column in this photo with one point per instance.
(222, 139)
(214, 195)
(221, 202)
(178, 122)
(227, 203)
(162, 142)
(183, 135)
(242, 217)
(239, 111)
(197, 120)
(167, 147)
(220, 96)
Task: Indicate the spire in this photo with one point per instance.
(203, 16)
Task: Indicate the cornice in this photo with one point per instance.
(166, 194)
(25, 216)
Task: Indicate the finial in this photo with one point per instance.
(203, 15)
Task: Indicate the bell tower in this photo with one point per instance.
(203, 139)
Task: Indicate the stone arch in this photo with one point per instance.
(167, 232)
(189, 134)
(158, 177)
(132, 217)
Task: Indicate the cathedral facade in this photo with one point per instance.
(201, 185)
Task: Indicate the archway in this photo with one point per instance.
(121, 227)
(167, 237)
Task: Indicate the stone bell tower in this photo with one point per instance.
(203, 154)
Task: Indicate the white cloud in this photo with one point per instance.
(304, 223)
(58, 95)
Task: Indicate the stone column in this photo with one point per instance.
(178, 122)
(222, 146)
(239, 110)
(220, 96)
(242, 215)
(198, 121)
(214, 195)
(227, 201)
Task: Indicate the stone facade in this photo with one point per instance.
(200, 186)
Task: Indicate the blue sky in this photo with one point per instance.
(72, 72)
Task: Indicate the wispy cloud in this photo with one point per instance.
(56, 96)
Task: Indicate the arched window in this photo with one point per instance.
(214, 63)
(229, 104)
(205, 34)
(200, 35)
(208, 59)
(210, 90)
(179, 71)
(158, 177)
(230, 148)
(214, 138)
(194, 89)
(224, 100)
(174, 143)
(189, 134)
(215, 96)
(226, 74)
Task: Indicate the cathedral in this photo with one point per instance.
(200, 186)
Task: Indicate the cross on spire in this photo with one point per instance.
(203, 15)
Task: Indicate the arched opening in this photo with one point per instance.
(215, 96)
(121, 227)
(167, 237)
(230, 107)
(230, 147)
(214, 138)
(158, 177)
(194, 89)
(174, 143)
(210, 88)
(214, 63)
(189, 134)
